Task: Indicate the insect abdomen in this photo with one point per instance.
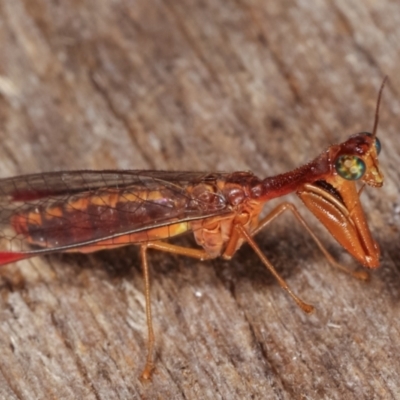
(107, 215)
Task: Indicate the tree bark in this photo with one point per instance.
(200, 85)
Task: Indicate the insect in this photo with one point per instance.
(86, 211)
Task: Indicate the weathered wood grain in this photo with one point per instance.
(200, 85)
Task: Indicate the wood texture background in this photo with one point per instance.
(255, 85)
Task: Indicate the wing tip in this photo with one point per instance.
(7, 257)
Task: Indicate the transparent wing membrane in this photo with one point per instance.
(65, 210)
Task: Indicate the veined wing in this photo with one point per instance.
(61, 211)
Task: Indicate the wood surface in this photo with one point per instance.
(214, 85)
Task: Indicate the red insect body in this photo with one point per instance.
(92, 210)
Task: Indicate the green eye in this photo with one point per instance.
(378, 146)
(350, 167)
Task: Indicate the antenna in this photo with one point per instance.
(378, 103)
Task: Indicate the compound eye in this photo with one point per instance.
(350, 168)
(378, 146)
